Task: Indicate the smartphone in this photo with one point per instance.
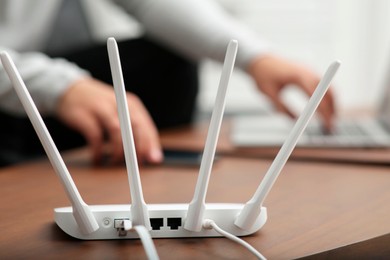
(182, 157)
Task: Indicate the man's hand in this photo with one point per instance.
(89, 106)
(272, 74)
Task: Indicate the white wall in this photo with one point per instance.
(314, 33)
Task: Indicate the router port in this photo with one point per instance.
(118, 223)
(156, 223)
(174, 223)
(120, 226)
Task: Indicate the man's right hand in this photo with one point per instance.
(89, 106)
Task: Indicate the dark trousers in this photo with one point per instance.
(166, 83)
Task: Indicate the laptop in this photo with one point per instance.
(270, 130)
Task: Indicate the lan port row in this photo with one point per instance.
(173, 223)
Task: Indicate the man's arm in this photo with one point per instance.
(201, 28)
(197, 28)
(47, 79)
(83, 103)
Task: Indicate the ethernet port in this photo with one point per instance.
(156, 223)
(174, 223)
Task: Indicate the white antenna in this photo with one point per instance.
(252, 208)
(81, 212)
(139, 210)
(194, 219)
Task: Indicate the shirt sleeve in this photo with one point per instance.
(45, 78)
(197, 28)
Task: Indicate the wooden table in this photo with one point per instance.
(313, 207)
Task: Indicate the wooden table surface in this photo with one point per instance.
(313, 207)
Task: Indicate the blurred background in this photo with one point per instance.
(356, 32)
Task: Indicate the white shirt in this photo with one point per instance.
(195, 28)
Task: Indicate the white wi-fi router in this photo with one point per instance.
(163, 220)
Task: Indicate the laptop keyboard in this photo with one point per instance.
(272, 131)
(345, 134)
(345, 129)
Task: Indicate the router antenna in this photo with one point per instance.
(252, 208)
(81, 212)
(139, 210)
(197, 206)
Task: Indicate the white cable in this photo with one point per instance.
(145, 237)
(209, 224)
(147, 242)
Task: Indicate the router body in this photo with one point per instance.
(166, 221)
